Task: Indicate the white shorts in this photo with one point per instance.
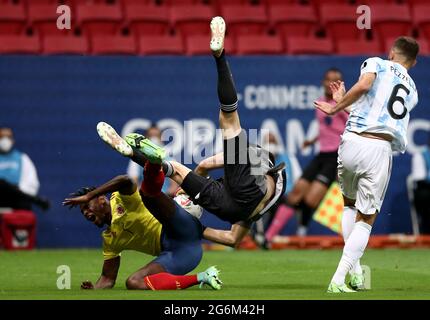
(364, 169)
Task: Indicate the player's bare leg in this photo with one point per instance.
(136, 280)
(298, 193)
(315, 194)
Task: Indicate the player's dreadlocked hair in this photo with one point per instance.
(82, 191)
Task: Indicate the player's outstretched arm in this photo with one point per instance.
(361, 87)
(232, 237)
(108, 276)
(123, 184)
(211, 163)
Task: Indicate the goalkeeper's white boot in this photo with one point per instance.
(218, 28)
(112, 138)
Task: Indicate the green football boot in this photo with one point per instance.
(210, 277)
(357, 282)
(152, 152)
(334, 288)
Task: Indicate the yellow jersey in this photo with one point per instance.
(132, 227)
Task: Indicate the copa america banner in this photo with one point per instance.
(54, 104)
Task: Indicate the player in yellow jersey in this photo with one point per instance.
(148, 221)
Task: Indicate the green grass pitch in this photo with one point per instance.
(287, 274)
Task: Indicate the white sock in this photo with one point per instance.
(353, 250)
(348, 221)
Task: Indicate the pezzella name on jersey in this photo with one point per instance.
(402, 76)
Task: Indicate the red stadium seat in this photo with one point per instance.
(76, 3)
(113, 45)
(417, 2)
(390, 21)
(372, 2)
(43, 19)
(188, 20)
(12, 19)
(306, 45)
(421, 18)
(54, 44)
(40, 2)
(424, 47)
(99, 19)
(181, 2)
(147, 19)
(154, 45)
(199, 45)
(259, 44)
(219, 3)
(278, 2)
(358, 47)
(245, 19)
(340, 21)
(291, 20)
(11, 44)
(136, 2)
(318, 3)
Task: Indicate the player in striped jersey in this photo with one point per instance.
(380, 104)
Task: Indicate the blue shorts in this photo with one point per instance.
(181, 247)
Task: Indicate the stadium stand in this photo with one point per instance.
(12, 19)
(43, 19)
(190, 20)
(147, 19)
(357, 47)
(421, 18)
(292, 19)
(198, 45)
(54, 44)
(11, 44)
(107, 44)
(390, 21)
(320, 21)
(246, 45)
(99, 19)
(245, 19)
(309, 45)
(340, 21)
(151, 45)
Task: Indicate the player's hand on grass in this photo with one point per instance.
(72, 202)
(87, 285)
(325, 107)
(338, 90)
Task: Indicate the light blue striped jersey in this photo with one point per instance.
(386, 106)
